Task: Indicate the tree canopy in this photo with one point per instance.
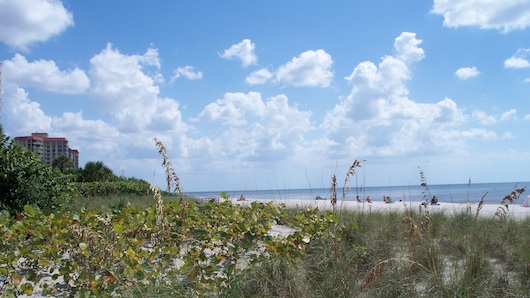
(63, 163)
(96, 172)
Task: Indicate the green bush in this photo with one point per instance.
(24, 180)
(109, 188)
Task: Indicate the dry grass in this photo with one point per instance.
(480, 204)
(333, 197)
(171, 175)
(373, 275)
(502, 211)
(412, 231)
(351, 172)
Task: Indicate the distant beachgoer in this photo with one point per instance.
(319, 198)
(358, 198)
(434, 200)
(368, 200)
(242, 198)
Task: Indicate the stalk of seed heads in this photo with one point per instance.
(171, 175)
(351, 172)
(333, 191)
(480, 204)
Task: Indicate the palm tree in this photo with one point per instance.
(63, 163)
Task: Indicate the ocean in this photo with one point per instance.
(450, 193)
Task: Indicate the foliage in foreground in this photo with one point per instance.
(189, 247)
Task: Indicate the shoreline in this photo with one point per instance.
(514, 210)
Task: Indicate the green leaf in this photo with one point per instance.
(9, 293)
(83, 246)
(118, 228)
(29, 210)
(27, 288)
(131, 252)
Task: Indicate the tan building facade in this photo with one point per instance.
(48, 149)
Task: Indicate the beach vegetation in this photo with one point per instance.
(125, 237)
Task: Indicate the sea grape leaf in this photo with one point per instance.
(29, 210)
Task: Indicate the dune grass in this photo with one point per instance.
(379, 257)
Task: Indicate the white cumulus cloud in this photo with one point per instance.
(122, 88)
(188, 72)
(378, 118)
(504, 15)
(260, 76)
(19, 108)
(243, 51)
(45, 75)
(465, 73)
(484, 118)
(256, 127)
(311, 68)
(519, 60)
(25, 22)
(508, 115)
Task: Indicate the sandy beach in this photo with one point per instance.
(514, 210)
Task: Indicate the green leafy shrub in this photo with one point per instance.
(24, 180)
(96, 172)
(109, 188)
(186, 249)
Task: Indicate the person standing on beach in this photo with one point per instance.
(434, 200)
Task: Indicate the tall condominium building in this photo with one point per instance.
(48, 149)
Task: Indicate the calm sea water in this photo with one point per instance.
(450, 193)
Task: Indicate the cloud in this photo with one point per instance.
(516, 63)
(474, 133)
(484, 118)
(527, 117)
(243, 51)
(25, 22)
(518, 60)
(504, 16)
(508, 115)
(98, 137)
(18, 109)
(378, 118)
(45, 75)
(465, 73)
(260, 76)
(122, 87)
(311, 68)
(188, 72)
(234, 109)
(407, 48)
(256, 128)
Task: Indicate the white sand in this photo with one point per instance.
(514, 210)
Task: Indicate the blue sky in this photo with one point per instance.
(277, 94)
